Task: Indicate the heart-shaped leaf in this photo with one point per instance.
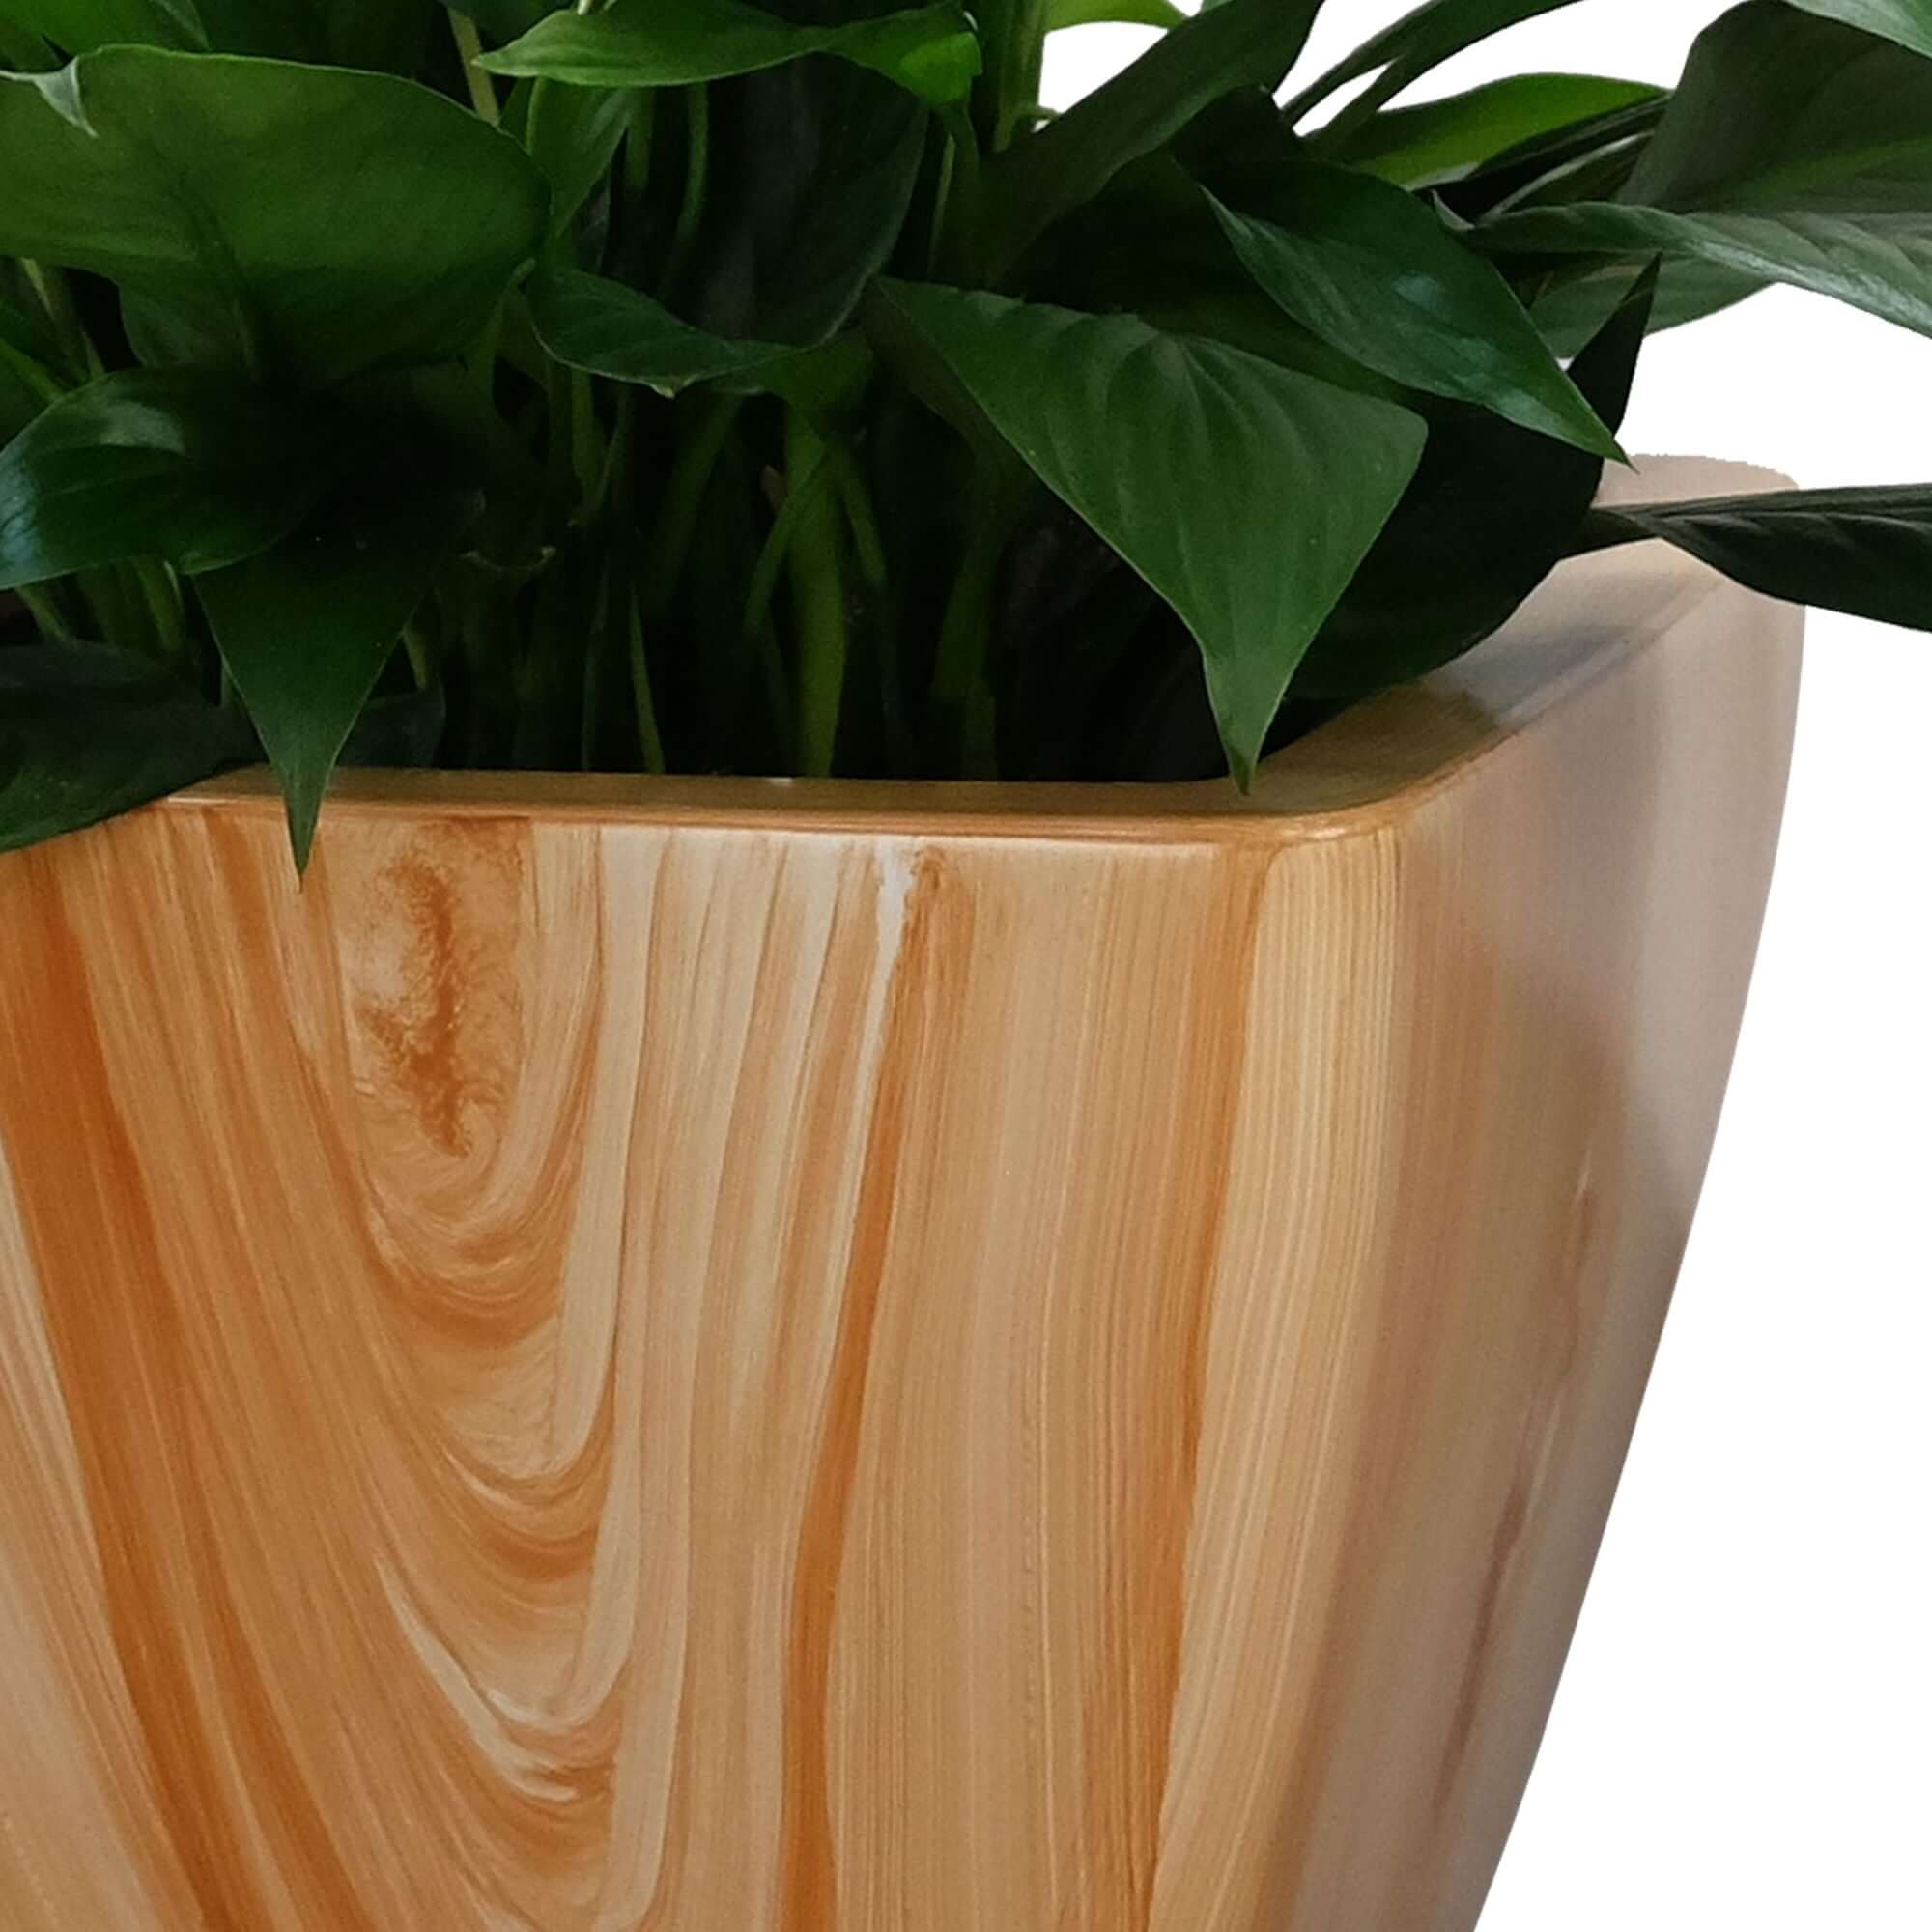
(306, 628)
(595, 324)
(1866, 551)
(1491, 512)
(1240, 43)
(1373, 270)
(172, 463)
(931, 51)
(1245, 494)
(1779, 109)
(813, 167)
(87, 732)
(270, 215)
(572, 134)
(1797, 150)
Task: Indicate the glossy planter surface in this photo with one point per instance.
(703, 1355)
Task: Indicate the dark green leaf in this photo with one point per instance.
(1422, 39)
(271, 216)
(1373, 270)
(1062, 13)
(1492, 510)
(306, 628)
(1441, 141)
(592, 323)
(813, 169)
(196, 469)
(1866, 551)
(1797, 150)
(1246, 494)
(1239, 45)
(29, 359)
(1183, 274)
(79, 26)
(1569, 309)
(1882, 263)
(572, 134)
(931, 51)
(1909, 22)
(86, 733)
(1779, 109)
(386, 34)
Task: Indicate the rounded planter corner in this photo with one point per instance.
(852, 1358)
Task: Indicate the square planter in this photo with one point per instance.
(706, 1355)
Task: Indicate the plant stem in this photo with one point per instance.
(799, 492)
(161, 594)
(684, 496)
(40, 381)
(868, 545)
(1014, 59)
(56, 301)
(1365, 106)
(469, 50)
(421, 651)
(650, 743)
(962, 684)
(46, 613)
(957, 248)
(637, 138)
(697, 177)
(818, 606)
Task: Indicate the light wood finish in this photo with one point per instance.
(693, 1358)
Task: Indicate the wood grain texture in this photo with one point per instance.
(686, 1358)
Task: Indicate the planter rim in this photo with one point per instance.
(1373, 763)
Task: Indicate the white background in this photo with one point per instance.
(1743, 1736)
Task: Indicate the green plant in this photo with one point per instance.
(773, 385)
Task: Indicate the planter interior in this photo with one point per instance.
(702, 1354)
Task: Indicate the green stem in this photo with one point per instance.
(637, 138)
(39, 380)
(56, 301)
(684, 496)
(868, 545)
(591, 709)
(1365, 106)
(469, 50)
(801, 491)
(160, 592)
(612, 504)
(818, 606)
(421, 651)
(958, 249)
(696, 180)
(46, 613)
(586, 439)
(651, 744)
(1014, 66)
(962, 683)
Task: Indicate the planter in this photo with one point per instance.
(708, 1355)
